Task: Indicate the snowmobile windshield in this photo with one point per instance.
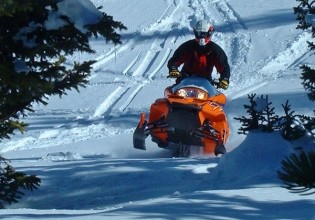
(196, 82)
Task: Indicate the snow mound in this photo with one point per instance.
(60, 156)
(255, 161)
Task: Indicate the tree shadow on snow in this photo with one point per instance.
(147, 189)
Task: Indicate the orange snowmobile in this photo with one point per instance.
(190, 114)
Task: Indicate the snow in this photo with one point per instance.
(80, 12)
(81, 145)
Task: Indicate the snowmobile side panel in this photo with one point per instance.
(139, 134)
(219, 99)
(159, 110)
(139, 138)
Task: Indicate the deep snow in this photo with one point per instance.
(81, 145)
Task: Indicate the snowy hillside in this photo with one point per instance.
(81, 145)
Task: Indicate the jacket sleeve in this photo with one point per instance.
(178, 57)
(221, 64)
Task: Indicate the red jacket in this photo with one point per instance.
(200, 60)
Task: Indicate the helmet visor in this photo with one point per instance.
(202, 34)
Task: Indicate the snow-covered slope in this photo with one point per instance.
(81, 145)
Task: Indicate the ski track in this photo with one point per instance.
(122, 108)
(164, 59)
(288, 57)
(112, 54)
(106, 105)
(143, 65)
(152, 57)
(146, 66)
(132, 63)
(238, 40)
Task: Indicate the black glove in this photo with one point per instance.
(223, 83)
(173, 72)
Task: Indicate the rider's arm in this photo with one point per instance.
(180, 56)
(221, 63)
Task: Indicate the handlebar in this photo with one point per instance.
(213, 82)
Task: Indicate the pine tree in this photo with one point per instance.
(291, 128)
(252, 122)
(308, 77)
(32, 57)
(299, 169)
(298, 172)
(305, 13)
(33, 66)
(269, 119)
(12, 183)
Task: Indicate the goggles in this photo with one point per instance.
(202, 34)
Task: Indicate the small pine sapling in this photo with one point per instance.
(308, 77)
(252, 122)
(291, 128)
(269, 119)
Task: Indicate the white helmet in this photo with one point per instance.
(203, 31)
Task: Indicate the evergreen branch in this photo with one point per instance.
(298, 172)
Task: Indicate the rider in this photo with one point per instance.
(199, 56)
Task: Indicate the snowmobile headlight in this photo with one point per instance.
(201, 95)
(182, 93)
(192, 93)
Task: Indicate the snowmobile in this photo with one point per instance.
(190, 114)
